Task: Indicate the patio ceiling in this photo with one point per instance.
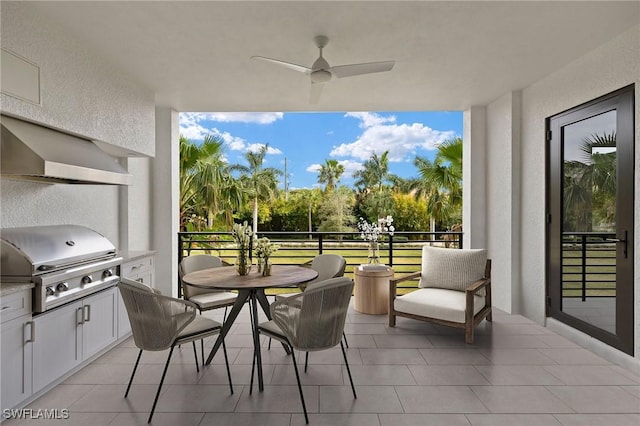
(449, 55)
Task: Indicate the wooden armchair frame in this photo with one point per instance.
(470, 292)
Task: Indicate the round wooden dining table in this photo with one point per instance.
(250, 288)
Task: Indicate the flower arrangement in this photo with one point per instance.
(242, 236)
(372, 233)
(263, 250)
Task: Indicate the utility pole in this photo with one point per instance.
(286, 181)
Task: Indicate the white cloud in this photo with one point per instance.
(255, 147)
(232, 117)
(350, 167)
(401, 140)
(314, 168)
(191, 128)
(369, 119)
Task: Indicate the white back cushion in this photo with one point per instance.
(452, 269)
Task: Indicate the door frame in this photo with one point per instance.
(622, 101)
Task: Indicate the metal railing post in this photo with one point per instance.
(391, 250)
(320, 243)
(583, 245)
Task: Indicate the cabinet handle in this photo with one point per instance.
(87, 313)
(32, 331)
(80, 311)
(5, 307)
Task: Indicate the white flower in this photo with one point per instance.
(372, 231)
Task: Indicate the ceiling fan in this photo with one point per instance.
(321, 72)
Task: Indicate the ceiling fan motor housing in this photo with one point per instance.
(320, 76)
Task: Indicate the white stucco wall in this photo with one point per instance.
(605, 69)
(84, 94)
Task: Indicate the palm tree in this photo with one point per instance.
(590, 185)
(201, 171)
(440, 182)
(330, 173)
(372, 182)
(374, 172)
(260, 183)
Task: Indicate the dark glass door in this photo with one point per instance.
(590, 218)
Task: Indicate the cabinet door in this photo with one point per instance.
(99, 322)
(15, 357)
(57, 344)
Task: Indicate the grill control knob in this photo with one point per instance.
(107, 273)
(87, 279)
(50, 291)
(62, 287)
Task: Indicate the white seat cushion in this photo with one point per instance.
(440, 303)
(213, 299)
(200, 326)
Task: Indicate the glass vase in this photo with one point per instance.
(243, 263)
(266, 267)
(374, 253)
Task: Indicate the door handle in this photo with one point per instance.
(32, 331)
(87, 313)
(624, 241)
(80, 312)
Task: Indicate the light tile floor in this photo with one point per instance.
(516, 373)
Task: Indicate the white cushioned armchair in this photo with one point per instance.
(454, 290)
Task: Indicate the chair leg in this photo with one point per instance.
(344, 337)
(202, 350)
(344, 354)
(164, 373)
(306, 361)
(304, 406)
(135, 367)
(195, 354)
(226, 361)
(468, 332)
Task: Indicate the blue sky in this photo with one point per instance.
(306, 140)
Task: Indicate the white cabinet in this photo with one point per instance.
(17, 333)
(71, 334)
(99, 322)
(56, 349)
(140, 269)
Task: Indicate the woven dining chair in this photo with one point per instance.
(204, 299)
(327, 266)
(311, 321)
(160, 322)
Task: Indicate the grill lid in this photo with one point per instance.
(36, 250)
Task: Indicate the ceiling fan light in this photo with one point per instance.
(320, 76)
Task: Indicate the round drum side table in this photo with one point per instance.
(372, 289)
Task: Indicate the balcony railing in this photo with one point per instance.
(588, 264)
(402, 250)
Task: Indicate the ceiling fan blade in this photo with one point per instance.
(359, 69)
(316, 91)
(289, 65)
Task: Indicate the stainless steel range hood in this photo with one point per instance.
(32, 152)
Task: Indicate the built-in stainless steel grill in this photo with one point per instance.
(65, 262)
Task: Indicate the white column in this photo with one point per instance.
(474, 163)
(165, 201)
(503, 160)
